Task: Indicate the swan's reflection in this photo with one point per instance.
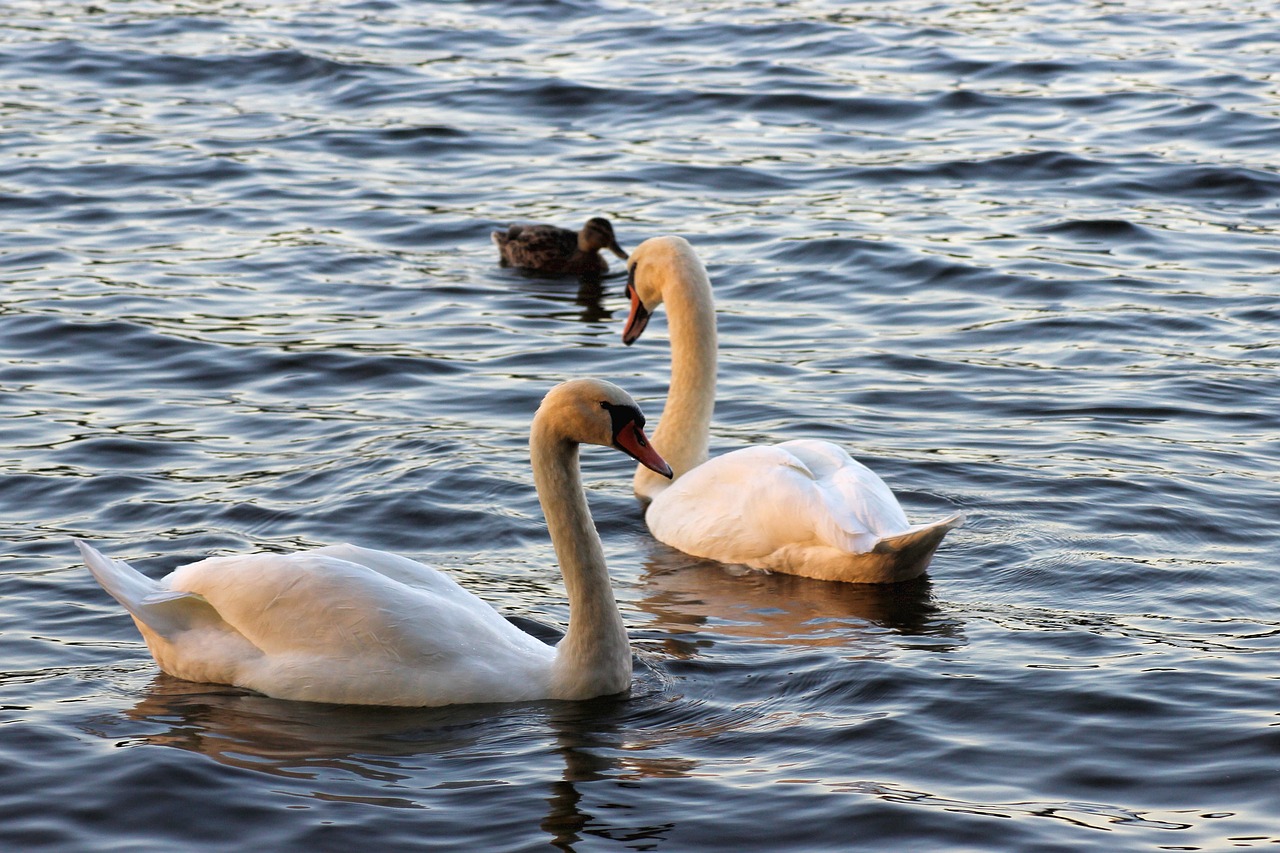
(297, 739)
(404, 750)
(588, 735)
(690, 596)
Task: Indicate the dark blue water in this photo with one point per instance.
(1022, 259)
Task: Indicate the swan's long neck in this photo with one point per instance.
(594, 658)
(684, 427)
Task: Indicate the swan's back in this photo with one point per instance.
(804, 507)
(853, 497)
(345, 625)
(337, 595)
(748, 503)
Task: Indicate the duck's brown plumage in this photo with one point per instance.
(559, 251)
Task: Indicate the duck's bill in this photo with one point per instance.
(636, 320)
(632, 441)
(617, 250)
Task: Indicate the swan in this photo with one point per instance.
(351, 625)
(802, 507)
(559, 251)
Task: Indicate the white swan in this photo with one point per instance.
(349, 625)
(800, 507)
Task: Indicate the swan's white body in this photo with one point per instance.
(351, 625)
(801, 507)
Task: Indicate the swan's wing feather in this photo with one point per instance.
(165, 612)
(856, 499)
(317, 627)
(736, 507)
(745, 505)
(401, 569)
(317, 603)
(171, 613)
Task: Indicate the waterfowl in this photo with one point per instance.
(352, 625)
(559, 251)
(801, 507)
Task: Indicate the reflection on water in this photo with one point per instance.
(597, 742)
(1089, 815)
(291, 739)
(324, 745)
(588, 293)
(687, 595)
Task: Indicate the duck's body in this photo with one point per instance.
(800, 507)
(352, 625)
(558, 251)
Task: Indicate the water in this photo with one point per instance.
(1022, 259)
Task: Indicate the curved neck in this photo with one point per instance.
(684, 427)
(594, 658)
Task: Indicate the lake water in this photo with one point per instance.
(1023, 259)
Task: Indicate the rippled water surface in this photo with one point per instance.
(1021, 258)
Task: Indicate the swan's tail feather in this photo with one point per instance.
(122, 581)
(166, 612)
(913, 550)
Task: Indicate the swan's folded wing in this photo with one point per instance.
(166, 612)
(717, 509)
(170, 613)
(746, 505)
(853, 498)
(401, 569)
(315, 601)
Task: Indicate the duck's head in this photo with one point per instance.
(597, 234)
(657, 264)
(592, 411)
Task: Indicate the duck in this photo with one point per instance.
(351, 625)
(559, 251)
(802, 507)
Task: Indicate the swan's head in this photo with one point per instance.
(592, 411)
(657, 265)
(597, 234)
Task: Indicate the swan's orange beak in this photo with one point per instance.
(639, 317)
(632, 441)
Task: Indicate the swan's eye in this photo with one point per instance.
(622, 415)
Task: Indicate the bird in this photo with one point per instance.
(559, 251)
(351, 625)
(803, 507)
